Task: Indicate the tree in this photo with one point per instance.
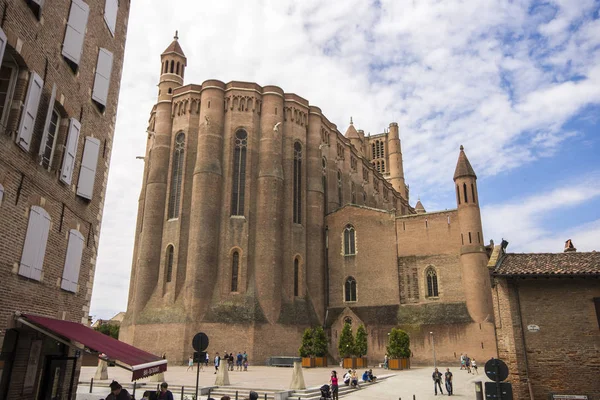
(361, 345)
(109, 330)
(306, 349)
(346, 344)
(319, 342)
(399, 344)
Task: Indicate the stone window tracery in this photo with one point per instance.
(239, 173)
(349, 241)
(350, 289)
(176, 175)
(432, 282)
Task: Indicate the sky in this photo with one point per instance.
(516, 82)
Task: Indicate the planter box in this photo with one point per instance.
(320, 361)
(308, 362)
(399, 363)
(361, 362)
(349, 363)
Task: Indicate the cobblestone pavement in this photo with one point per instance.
(404, 384)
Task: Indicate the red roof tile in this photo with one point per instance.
(571, 263)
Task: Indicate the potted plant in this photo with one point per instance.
(306, 349)
(361, 347)
(320, 347)
(346, 347)
(398, 349)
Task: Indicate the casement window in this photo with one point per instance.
(110, 14)
(235, 271)
(73, 43)
(50, 131)
(239, 173)
(36, 7)
(30, 109)
(176, 176)
(3, 41)
(34, 249)
(70, 153)
(70, 278)
(297, 201)
(350, 289)
(1, 193)
(432, 283)
(349, 241)
(102, 79)
(8, 80)
(87, 173)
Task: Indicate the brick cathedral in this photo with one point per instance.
(257, 218)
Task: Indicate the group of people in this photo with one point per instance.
(118, 393)
(240, 361)
(469, 364)
(350, 378)
(437, 381)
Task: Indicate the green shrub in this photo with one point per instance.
(109, 330)
(319, 342)
(399, 344)
(306, 349)
(346, 344)
(361, 345)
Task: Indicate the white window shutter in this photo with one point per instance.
(3, 41)
(102, 80)
(70, 153)
(73, 44)
(48, 118)
(30, 109)
(110, 14)
(36, 238)
(1, 193)
(70, 276)
(89, 162)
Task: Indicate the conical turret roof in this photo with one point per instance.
(463, 166)
(174, 47)
(351, 132)
(419, 207)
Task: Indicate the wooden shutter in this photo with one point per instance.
(30, 109)
(102, 80)
(3, 41)
(70, 276)
(110, 14)
(87, 173)
(73, 43)
(34, 249)
(47, 122)
(66, 172)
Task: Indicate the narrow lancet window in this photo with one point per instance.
(239, 173)
(296, 276)
(349, 241)
(235, 270)
(169, 265)
(176, 175)
(432, 283)
(350, 289)
(297, 183)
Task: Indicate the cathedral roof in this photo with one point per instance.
(463, 166)
(351, 132)
(174, 47)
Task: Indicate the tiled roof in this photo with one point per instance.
(174, 47)
(550, 264)
(463, 166)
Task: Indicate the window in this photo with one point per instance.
(1, 193)
(432, 283)
(169, 263)
(465, 191)
(350, 289)
(73, 43)
(70, 278)
(30, 109)
(235, 270)
(176, 176)
(8, 79)
(36, 7)
(373, 151)
(66, 171)
(382, 167)
(111, 7)
(473, 193)
(297, 183)
(349, 241)
(89, 163)
(102, 78)
(46, 151)
(597, 305)
(296, 276)
(239, 173)
(381, 151)
(339, 187)
(34, 248)
(457, 194)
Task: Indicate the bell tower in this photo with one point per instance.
(173, 63)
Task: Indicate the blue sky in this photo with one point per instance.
(516, 82)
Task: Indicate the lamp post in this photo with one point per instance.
(433, 345)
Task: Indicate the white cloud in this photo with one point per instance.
(488, 74)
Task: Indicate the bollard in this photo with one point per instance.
(265, 396)
(91, 385)
(236, 395)
(208, 397)
(414, 397)
(182, 393)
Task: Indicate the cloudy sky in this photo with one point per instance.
(516, 82)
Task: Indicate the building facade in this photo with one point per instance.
(257, 218)
(547, 316)
(61, 64)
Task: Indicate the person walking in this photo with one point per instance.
(206, 360)
(474, 367)
(448, 379)
(239, 361)
(386, 361)
(190, 363)
(468, 363)
(334, 385)
(217, 361)
(437, 381)
(245, 360)
(462, 361)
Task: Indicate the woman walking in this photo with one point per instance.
(334, 385)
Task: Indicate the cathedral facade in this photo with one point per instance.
(257, 219)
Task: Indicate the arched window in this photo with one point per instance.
(457, 194)
(169, 264)
(177, 68)
(465, 191)
(339, 184)
(176, 175)
(297, 183)
(432, 283)
(350, 289)
(473, 193)
(172, 66)
(235, 270)
(349, 241)
(382, 167)
(381, 153)
(373, 150)
(296, 276)
(239, 173)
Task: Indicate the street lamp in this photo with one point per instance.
(433, 345)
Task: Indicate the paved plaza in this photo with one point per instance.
(403, 384)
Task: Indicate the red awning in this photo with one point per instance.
(142, 364)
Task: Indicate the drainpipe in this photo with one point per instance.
(524, 343)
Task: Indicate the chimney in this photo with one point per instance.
(569, 246)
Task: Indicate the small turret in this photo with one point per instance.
(419, 207)
(354, 136)
(396, 168)
(173, 63)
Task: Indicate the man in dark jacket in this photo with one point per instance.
(117, 392)
(164, 393)
(437, 381)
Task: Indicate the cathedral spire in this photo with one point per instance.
(463, 166)
(174, 47)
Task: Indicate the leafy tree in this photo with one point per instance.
(361, 341)
(346, 344)
(319, 342)
(306, 349)
(109, 330)
(399, 344)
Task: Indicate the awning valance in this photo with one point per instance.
(140, 362)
